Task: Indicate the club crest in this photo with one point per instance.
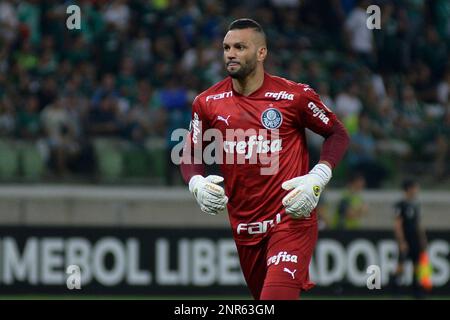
(271, 118)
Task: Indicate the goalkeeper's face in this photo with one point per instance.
(243, 49)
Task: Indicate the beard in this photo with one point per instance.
(243, 71)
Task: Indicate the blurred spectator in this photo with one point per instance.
(79, 52)
(47, 63)
(188, 18)
(360, 37)
(118, 14)
(4, 66)
(362, 154)
(141, 52)
(146, 118)
(423, 84)
(389, 39)
(77, 110)
(175, 101)
(352, 207)
(441, 14)
(29, 13)
(148, 111)
(137, 125)
(348, 107)
(92, 23)
(439, 149)
(107, 88)
(28, 120)
(443, 89)
(103, 120)
(126, 80)
(26, 59)
(385, 130)
(109, 49)
(411, 116)
(48, 92)
(60, 135)
(211, 22)
(7, 117)
(8, 21)
(164, 49)
(432, 50)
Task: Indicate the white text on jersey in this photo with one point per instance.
(220, 96)
(282, 256)
(195, 127)
(282, 95)
(258, 227)
(247, 148)
(318, 112)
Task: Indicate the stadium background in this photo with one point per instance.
(86, 117)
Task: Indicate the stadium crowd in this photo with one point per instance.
(134, 67)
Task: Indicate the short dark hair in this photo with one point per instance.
(246, 23)
(408, 184)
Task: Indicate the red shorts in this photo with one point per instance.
(280, 259)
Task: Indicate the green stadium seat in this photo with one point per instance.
(110, 164)
(158, 159)
(8, 160)
(137, 162)
(31, 162)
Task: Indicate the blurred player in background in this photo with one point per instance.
(272, 216)
(351, 207)
(409, 233)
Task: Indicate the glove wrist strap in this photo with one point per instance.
(323, 171)
(193, 181)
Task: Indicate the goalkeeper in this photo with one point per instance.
(272, 213)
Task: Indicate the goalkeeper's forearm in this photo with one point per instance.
(189, 168)
(335, 145)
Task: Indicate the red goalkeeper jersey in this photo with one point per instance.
(263, 145)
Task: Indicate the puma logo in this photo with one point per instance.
(290, 272)
(223, 119)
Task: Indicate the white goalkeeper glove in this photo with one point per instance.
(302, 200)
(210, 196)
